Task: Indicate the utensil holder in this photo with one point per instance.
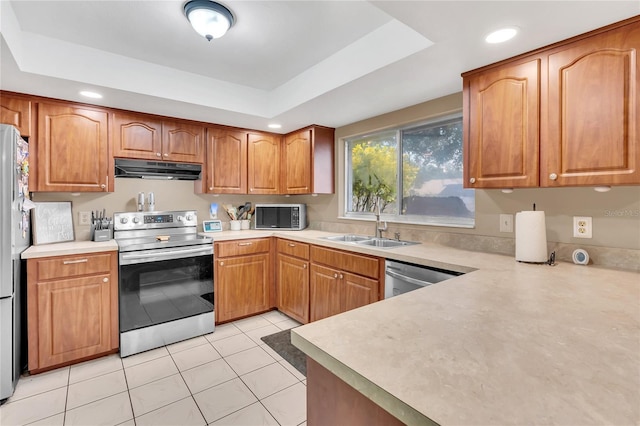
(101, 234)
(234, 225)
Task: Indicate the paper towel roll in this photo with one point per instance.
(531, 237)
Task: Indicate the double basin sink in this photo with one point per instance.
(364, 240)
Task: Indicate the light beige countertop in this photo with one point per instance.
(507, 343)
(69, 248)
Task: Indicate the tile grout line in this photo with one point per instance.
(126, 382)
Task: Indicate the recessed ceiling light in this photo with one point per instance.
(501, 35)
(92, 95)
(275, 126)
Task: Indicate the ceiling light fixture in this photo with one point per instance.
(209, 19)
(501, 35)
(92, 95)
(274, 126)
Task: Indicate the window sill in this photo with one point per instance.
(411, 222)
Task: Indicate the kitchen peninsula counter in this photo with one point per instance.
(506, 343)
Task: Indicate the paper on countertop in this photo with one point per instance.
(531, 237)
(28, 205)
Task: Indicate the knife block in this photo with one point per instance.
(101, 234)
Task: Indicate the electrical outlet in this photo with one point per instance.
(582, 227)
(506, 223)
(84, 218)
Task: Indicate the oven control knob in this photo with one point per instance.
(136, 220)
(124, 219)
(189, 217)
(180, 218)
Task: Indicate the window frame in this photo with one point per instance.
(347, 190)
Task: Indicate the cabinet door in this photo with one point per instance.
(324, 292)
(136, 136)
(357, 291)
(226, 165)
(263, 165)
(74, 319)
(593, 111)
(182, 142)
(293, 287)
(501, 122)
(242, 286)
(296, 163)
(72, 149)
(17, 112)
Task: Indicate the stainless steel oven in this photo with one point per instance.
(165, 279)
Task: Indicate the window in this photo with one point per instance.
(422, 162)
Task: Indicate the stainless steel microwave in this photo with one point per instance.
(281, 216)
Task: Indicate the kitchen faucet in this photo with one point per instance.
(379, 227)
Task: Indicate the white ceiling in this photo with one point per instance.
(292, 62)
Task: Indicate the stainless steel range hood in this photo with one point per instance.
(142, 169)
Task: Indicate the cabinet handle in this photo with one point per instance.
(341, 276)
(335, 275)
(291, 245)
(211, 188)
(221, 263)
(105, 280)
(165, 154)
(472, 180)
(244, 244)
(304, 266)
(553, 176)
(251, 189)
(71, 262)
(158, 154)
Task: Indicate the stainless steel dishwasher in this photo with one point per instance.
(403, 277)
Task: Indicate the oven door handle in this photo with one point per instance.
(132, 257)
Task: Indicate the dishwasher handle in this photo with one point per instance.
(405, 278)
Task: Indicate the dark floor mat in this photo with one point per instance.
(281, 343)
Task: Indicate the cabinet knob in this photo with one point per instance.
(472, 180)
(105, 280)
(221, 263)
(165, 154)
(335, 275)
(553, 176)
(211, 188)
(158, 154)
(341, 276)
(304, 266)
(251, 189)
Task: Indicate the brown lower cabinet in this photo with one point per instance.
(340, 281)
(72, 305)
(331, 401)
(292, 277)
(242, 278)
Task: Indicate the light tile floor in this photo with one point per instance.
(229, 377)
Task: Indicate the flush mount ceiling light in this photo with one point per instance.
(209, 19)
(501, 35)
(274, 126)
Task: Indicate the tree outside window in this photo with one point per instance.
(423, 163)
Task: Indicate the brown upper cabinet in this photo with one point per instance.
(565, 115)
(72, 149)
(146, 137)
(246, 162)
(263, 163)
(240, 162)
(17, 112)
(307, 161)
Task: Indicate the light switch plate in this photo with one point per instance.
(506, 223)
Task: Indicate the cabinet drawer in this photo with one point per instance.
(345, 261)
(241, 247)
(71, 266)
(293, 248)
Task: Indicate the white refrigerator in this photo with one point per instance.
(15, 237)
